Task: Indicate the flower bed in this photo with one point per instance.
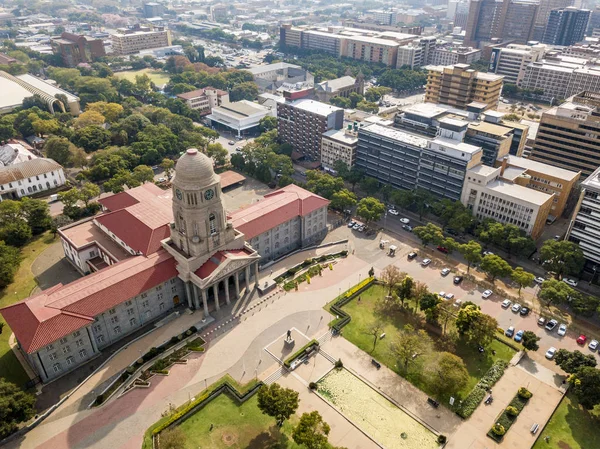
(472, 401)
(300, 352)
(509, 415)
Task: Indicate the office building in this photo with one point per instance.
(204, 100)
(506, 20)
(458, 86)
(458, 12)
(241, 117)
(594, 22)
(416, 53)
(511, 61)
(487, 193)
(384, 17)
(271, 77)
(340, 87)
(76, 49)
(339, 145)
(301, 123)
(543, 14)
(569, 135)
(585, 226)
(452, 54)
(153, 9)
(130, 41)
(566, 26)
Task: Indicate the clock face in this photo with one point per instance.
(179, 194)
(208, 194)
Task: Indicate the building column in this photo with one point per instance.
(188, 294)
(247, 274)
(256, 273)
(90, 335)
(215, 288)
(237, 284)
(205, 302)
(226, 285)
(196, 302)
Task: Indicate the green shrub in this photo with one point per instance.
(313, 386)
(441, 439)
(161, 371)
(339, 364)
(300, 352)
(512, 411)
(130, 369)
(524, 393)
(498, 429)
(474, 398)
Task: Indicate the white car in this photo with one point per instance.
(442, 294)
(449, 295)
(488, 253)
(539, 280)
(445, 271)
(516, 307)
(486, 294)
(404, 220)
(458, 303)
(506, 303)
(550, 353)
(393, 212)
(562, 330)
(426, 262)
(356, 226)
(593, 345)
(570, 282)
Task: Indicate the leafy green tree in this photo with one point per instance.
(70, 197)
(142, 174)
(217, 153)
(16, 406)
(168, 165)
(37, 215)
(448, 374)
(405, 289)
(369, 185)
(530, 341)
(586, 386)
(244, 91)
(584, 305)
(7, 129)
(482, 330)
(354, 176)
(495, 266)
(238, 161)
(311, 431)
(429, 301)
(368, 106)
(280, 403)
(571, 362)
(429, 233)
(370, 209)
(10, 258)
(323, 184)
(522, 278)
(355, 98)
(88, 191)
(471, 251)
(554, 291)
(562, 257)
(59, 149)
(409, 345)
(341, 102)
(342, 200)
(14, 230)
(267, 123)
(91, 138)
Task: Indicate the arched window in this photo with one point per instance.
(212, 224)
(181, 224)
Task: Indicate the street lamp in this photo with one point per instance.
(593, 274)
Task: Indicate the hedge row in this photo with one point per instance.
(300, 352)
(344, 318)
(293, 270)
(474, 398)
(507, 419)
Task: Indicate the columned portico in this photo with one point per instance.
(226, 285)
(196, 302)
(215, 288)
(236, 279)
(247, 277)
(205, 302)
(256, 273)
(188, 295)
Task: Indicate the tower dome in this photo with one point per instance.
(194, 170)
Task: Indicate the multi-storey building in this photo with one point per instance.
(512, 61)
(384, 17)
(452, 55)
(566, 26)
(270, 77)
(458, 86)
(301, 123)
(416, 53)
(543, 13)
(371, 49)
(340, 87)
(241, 117)
(458, 12)
(153, 9)
(129, 41)
(339, 145)
(76, 49)
(205, 99)
(569, 135)
(29, 177)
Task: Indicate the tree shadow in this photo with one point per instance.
(272, 438)
(583, 425)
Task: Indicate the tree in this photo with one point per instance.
(69, 198)
(267, 123)
(571, 362)
(586, 386)
(343, 200)
(368, 106)
(91, 138)
(90, 117)
(429, 233)
(173, 438)
(475, 327)
(311, 431)
(471, 251)
(584, 304)
(391, 276)
(341, 102)
(530, 341)
(429, 301)
(10, 258)
(59, 149)
(323, 184)
(445, 310)
(369, 185)
(142, 174)
(562, 257)
(404, 290)
(16, 406)
(37, 215)
(554, 291)
(14, 229)
(409, 345)
(370, 209)
(244, 91)
(448, 374)
(354, 176)
(495, 266)
(111, 111)
(374, 329)
(88, 191)
(217, 153)
(167, 165)
(522, 278)
(280, 403)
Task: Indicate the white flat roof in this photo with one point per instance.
(341, 136)
(529, 164)
(396, 134)
(12, 94)
(270, 67)
(46, 87)
(520, 193)
(456, 145)
(316, 107)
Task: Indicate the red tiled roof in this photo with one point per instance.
(118, 201)
(276, 208)
(229, 178)
(56, 312)
(217, 259)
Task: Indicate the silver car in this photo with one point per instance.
(562, 330)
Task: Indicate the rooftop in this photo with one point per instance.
(483, 170)
(520, 193)
(27, 169)
(341, 136)
(490, 128)
(199, 93)
(396, 134)
(336, 84)
(270, 67)
(315, 107)
(540, 167)
(241, 109)
(14, 153)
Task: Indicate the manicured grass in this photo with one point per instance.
(21, 288)
(234, 426)
(571, 427)
(158, 77)
(369, 310)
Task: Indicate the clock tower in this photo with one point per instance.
(200, 220)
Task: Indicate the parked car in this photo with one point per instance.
(486, 294)
(550, 325)
(562, 330)
(506, 303)
(426, 262)
(449, 295)
(351, 223)
(412, 255)
(356, 226)
(404, 220)
(519, 336)
(445, 271)
(541, 321)
(581, 339)
(524, 311)
(510, 331)
(458, 303)
(407, 228)
(457, 280)
(570, 282)
(441, 249)
(539, 280)
(361, 228)
(488, 253)
(550, 353)
(442, 294)
(231, 142)
(161, 179)
(393, 212)
(593, 345)
(516, 307)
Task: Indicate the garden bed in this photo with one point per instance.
(509, 415)
(313, 263)
(306, 349)
(474, 398)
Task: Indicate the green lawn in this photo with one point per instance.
(571, 427)
(158, 77)
(369, 310)
(235, 426)
(21, 288)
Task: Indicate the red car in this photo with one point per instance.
(442, 249)
(581, 339)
